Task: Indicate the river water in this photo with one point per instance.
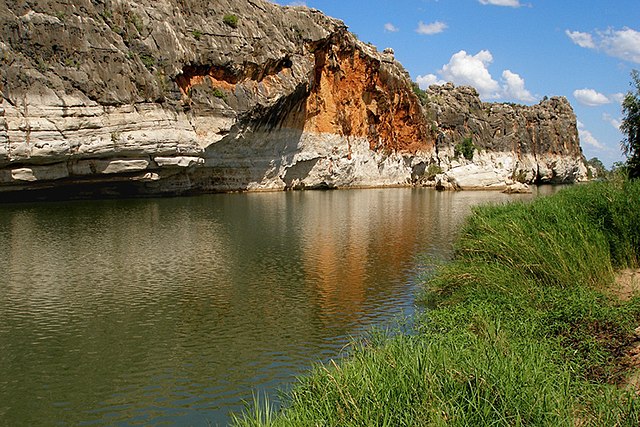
(175, 311)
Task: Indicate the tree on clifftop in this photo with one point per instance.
(597, 166)
(631, 126)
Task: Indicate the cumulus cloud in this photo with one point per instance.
(472, 70)
(590, 97)
(588, 138)
(622, 44)
(389, 27)
(510, 3)
(429, 29)
(427, 80)
(513, 87)
(611, 120)
(465, 69)
(581, 39)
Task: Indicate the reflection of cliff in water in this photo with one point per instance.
(354, 240)
(359, 245)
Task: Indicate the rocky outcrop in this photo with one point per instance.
(115, 97)
(507, 143)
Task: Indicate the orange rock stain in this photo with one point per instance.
(352, 96)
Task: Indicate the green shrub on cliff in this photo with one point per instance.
(136, 21)
(231, 20)
(432, 171)
(219, 94)
(148, 61)
(519, 328)
(465, 148)
(421, 94)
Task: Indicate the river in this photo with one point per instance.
(175, 311)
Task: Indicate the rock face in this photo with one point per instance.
(115, 97)
(511, 143)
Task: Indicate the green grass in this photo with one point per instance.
(519, 328)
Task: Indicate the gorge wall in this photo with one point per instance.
(122, 97)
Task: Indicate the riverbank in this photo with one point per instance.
(522, 328)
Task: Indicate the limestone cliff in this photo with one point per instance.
(121, 97)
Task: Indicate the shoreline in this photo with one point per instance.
(521, 328)
(108, 192)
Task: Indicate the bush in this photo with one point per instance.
(421, 94)
(465, 148)
(148, 61)
(136, 21)
(598, 166)
(432, 171)
(219, 94)
(231, 20)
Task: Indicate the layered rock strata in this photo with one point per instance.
(115, 97)
(511, 143)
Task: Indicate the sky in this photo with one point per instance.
(513, 51)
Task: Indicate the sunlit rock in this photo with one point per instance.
(286, 99)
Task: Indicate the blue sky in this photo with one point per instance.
(513, 50)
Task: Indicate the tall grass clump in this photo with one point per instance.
(519, 329)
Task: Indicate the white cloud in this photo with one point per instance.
(465, 69)
(581, 39)
(590, 97)
(510, 3)
(427, 80)
(429, 29)
(389, 27)
(513, 87)
(617, 97)
(611, 120)
(472, 70)
(588, 138)
(622, 44)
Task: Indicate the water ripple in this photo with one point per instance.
(176, 311)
